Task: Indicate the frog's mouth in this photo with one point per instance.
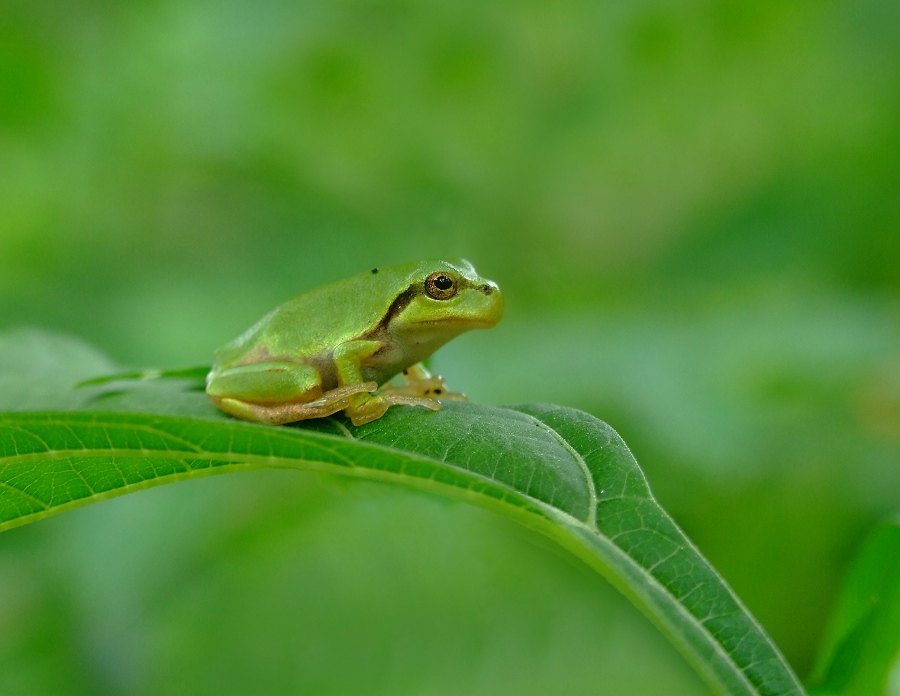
(462, 323)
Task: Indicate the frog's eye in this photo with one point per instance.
(440, 286)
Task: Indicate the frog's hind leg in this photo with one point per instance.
(279, 414)
(278, 393)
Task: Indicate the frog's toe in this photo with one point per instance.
(432, 387)
(402, 400)
(342, 394)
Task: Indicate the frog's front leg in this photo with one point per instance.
(420, 382)
(364, 407)
(278, 392)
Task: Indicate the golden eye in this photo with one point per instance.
(440, 286)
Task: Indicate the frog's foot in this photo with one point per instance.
(342, 395)
(330, 402)
(374, 407)
(422, 384)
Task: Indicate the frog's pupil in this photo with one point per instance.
(443, 282)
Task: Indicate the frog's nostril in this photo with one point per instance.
(486, 289)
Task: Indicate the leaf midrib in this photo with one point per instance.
(236, 460)
(593, 499)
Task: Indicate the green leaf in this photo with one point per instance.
(556, 470)
(38, 368)
(862, 645)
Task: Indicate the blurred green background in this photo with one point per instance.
(692, 207)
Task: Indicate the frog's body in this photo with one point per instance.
(327, 349)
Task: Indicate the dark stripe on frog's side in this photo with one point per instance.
(400, 303)
(323, 361)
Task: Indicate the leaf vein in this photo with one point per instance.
(582, 464)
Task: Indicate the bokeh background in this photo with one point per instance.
(693, 210)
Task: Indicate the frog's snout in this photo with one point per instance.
(493, 303)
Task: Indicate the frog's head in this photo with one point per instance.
(445, 298)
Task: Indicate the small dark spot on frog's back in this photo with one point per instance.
(374, 271)
(485, 289)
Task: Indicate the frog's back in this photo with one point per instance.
(312, 324)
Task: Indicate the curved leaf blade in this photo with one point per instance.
(664, 573)
(862, 646)
(554, 469)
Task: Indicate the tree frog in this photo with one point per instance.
(328, 350)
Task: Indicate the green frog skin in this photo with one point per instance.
(331, 349)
